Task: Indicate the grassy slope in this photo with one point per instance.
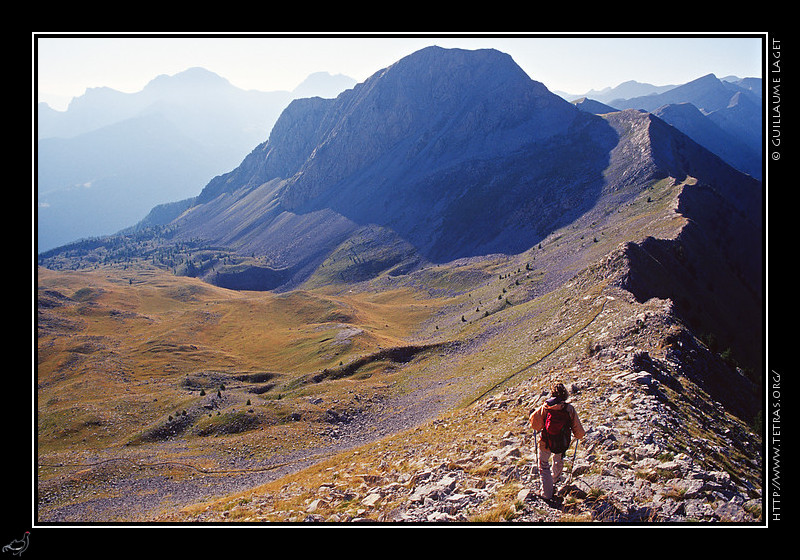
(132, 346)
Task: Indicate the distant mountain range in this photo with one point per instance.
(107, 160)
(625, 90)
(724, 115)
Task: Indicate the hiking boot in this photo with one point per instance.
(554, 502)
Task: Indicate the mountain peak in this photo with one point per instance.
(323, 84)
(435, 64)
(711, 77)
(435, 104)
(442, 55)
(406, 147)
(195, 77)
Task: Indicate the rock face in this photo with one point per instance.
(433, 109)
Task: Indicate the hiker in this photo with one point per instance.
(548, 420)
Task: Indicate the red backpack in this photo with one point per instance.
(557, 432)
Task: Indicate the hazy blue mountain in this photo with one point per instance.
(323, 84)
(753, 85)
(733, 106)
(742, 117)
(111, 157)
(705, 131)
(100, 181)
(445, 154)
(707, 93)
(625, 90)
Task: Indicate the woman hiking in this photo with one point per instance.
(556, 421)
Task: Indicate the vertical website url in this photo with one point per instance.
(775, 447)
(774, 92)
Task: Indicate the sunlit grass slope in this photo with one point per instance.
(129, 354)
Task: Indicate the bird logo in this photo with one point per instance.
(18, 546)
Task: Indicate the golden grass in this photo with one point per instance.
(124, 351)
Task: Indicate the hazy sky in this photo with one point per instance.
(64, 66)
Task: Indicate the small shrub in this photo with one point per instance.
(595, 494)
(498, 513)
(675, 493)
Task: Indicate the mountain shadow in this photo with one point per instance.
(713, 270)
(482, 205)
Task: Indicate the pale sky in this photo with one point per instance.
(65, 65)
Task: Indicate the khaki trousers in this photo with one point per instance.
(545, 475)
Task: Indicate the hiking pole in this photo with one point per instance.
(535, 462)
(572, 468)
